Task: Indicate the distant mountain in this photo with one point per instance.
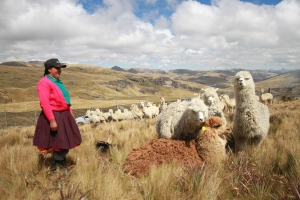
(118, 69)
(15, 63)
(36, 62)
(258, 75)
(146, 70)
(132, 70)
(218, 78)
(288, 79)
(150, 71)
(183, 72)
(279, 71)
(23, 64)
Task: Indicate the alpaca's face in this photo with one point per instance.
(210, 96)
(199, 107)
(243, 79)
(210, 100)
(201, 116)
(217, 124)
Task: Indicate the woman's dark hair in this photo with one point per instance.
(46, 71)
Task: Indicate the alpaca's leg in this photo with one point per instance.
(240, 143)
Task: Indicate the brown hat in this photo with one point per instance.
(54, 62)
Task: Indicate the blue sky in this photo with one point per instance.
(91, 5)
(160, 34)
(160, 7)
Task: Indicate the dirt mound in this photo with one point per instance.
(159, 151)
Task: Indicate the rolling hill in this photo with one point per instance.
(88, 83)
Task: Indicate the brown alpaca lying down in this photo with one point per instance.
(209, 147)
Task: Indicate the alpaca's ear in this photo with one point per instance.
(209, 122)
(214, 122)
(216, 89)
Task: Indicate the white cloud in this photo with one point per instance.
(239, 31)
(226, 34)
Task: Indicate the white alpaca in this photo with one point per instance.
(181, 120)
(223, 104)
(117, 116)
(148, 110)
(211, 99)
(155, 109)
(230, 103)
(198, 95)
(92, 115)
(102, 117)
(106, 115)
(251, 119)
(129, 115)
(163, 104)
(137, 113)
(117, 111)
(265, 97)
(94, 118)
(88, 113)
(156, 112)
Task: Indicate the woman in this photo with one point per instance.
(56, 128)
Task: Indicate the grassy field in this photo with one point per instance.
(268, 172)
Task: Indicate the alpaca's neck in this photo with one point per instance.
(227, 101)
(244, 95)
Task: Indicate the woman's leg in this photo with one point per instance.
(59, 159)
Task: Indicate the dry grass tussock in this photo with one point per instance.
(268, 172)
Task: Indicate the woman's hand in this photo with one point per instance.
(53, 125)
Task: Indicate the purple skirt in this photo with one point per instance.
(67, 135)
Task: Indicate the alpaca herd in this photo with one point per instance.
(194, 132)
(148, 110)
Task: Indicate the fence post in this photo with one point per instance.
(5, 118)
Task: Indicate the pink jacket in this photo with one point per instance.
(51, 98)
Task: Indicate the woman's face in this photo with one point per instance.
(55, 72)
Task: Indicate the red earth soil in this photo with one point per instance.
(159, 151)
